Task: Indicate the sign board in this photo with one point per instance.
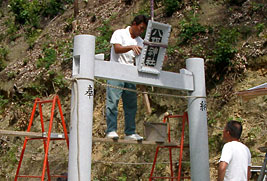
(155, 44)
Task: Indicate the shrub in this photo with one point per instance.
(58, 80)
(260, 27)
(31, 12)
(12, 29)
(49, 58)
(190, 28)
(224, 48)
(26, 12)
(3, 57)
(51, 8)
(3, 101)
(170, 6)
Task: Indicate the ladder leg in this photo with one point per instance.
(48, 141)
(26, 139)
(21, 158)
(154, 163)
(63, 121)
(170, 157)
(181, 147)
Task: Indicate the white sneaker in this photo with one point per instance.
(112, 135)
(135, 137)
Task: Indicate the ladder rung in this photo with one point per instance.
(170, 177)
(46, 101)
(29, 176)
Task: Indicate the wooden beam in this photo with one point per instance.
(102, 140)
(249, 94)
(20, 133)
(122, 141)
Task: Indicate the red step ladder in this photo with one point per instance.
(181, 146)
(46, 136)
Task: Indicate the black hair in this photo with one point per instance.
(140, 19)
(234, 128)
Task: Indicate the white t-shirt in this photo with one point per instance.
(238, 157)
(123, 37)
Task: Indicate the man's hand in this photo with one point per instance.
(137, 49)
(221, 170)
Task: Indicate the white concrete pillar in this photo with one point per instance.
(198, 131)
(80, 147)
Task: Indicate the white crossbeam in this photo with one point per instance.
(129, 73)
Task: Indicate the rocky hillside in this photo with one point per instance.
(36, 61)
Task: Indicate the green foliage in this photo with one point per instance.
(11, 75)
(102, 41)
(3, 101)
(260, 27)
(3, 53)
(58, 79)
(255, 7)
(215, 143)
(10, 156)
(144, 9)
(12, 29)
(26, 12)
(190, 28)
(50, 56)
(224, 47)
(170, 6)
(3, 57)
(32, 35)
(123, 178)
(51, 8)
(30, 12)
(197, 50)
(68, 26)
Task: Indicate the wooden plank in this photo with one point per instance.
(103, 140)
(122, 141)
(20, 133)
(249, 94)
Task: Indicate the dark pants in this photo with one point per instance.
(129, 100)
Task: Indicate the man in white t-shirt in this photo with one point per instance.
(126, 45)
(235, 161)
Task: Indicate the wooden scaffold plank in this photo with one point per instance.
(103, 140)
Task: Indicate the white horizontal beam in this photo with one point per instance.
(129, 73)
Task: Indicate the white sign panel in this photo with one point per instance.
(155, 44)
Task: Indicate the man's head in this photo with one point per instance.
(139, 25)
(232, 131)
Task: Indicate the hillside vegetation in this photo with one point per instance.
(36, 61)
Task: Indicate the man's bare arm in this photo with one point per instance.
(221, 170)
(123, 49)
(249, 173)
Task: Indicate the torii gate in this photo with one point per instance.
(86, 68)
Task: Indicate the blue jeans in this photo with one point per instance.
(129, 100)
